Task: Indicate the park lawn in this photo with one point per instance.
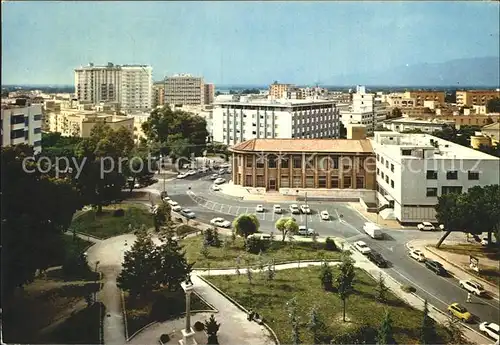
(269, 298)
(139, 311)
(106, 225)
(474, 249)
(220, 257)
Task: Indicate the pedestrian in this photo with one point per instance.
(468, 297)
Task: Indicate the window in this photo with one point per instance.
(452, 175)
(378, 171)
(297, 182)
(15, 119)
(451, 189)
(378, 157)
(271, 161)
(248, 180)
(334, 180)
(392, 183)
(297, 162)
(260, 181)
(386, 179)
(285, 163)
(360, 182)
(387, 164)
(249, 161)
(432, 192)
(284, 182)
(406, 152)
(432, 175)
(309, 181)
(382, 160)
(473, 175)
(260, 162)
(335, 162)
(392, 167)
(382, 174)
(347, 182)
(321, 181)
(37, 143)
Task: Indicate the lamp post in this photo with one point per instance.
(95, 292)
(306, 208)
(187, 332)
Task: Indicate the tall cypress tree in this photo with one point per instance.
(428, 330)
(385, 333)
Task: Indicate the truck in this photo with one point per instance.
(373, 230)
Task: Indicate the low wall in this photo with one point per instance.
(352, 195)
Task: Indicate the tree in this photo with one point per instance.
(212, 327)
(455, 333)
(395, 113)
(36, 210)
(139, 275)
(489, 120)
(344, 279)
(174, 267)
(428, 330)
(249, 275)
(270, 272)
(246, 224)
(493, 150)
(316, 326)
(493, 105)
(161, 215)
(294, 320)
(287, 225)
(385, 333)
(326, 276)
(342, 131)
(381, 288)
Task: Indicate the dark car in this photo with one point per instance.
(435, 266)
(377, 259)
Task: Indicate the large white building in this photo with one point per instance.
(22, 124)
(130, 86)
(413, 170)
(235, 120)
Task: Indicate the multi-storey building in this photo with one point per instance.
(184, 89)
(476, 97)
(237, 121)
(423, 95)
(277, 164)
(279, 91)
(22, 124)
(463, 120)
(127, 85)
(413, 170)
(406, 124)
(158, 94)
(208, 93)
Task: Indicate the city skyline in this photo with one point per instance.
(242, 42)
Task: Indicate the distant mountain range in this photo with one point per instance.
(484, 71)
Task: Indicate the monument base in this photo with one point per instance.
(188, 338)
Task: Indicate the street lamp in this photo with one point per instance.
(95, 292)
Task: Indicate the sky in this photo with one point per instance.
(241, 42)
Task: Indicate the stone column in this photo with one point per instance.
(187, 333)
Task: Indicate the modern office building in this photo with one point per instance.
(236, 121)
(413, 170)
(277, 164)
(208, 93)
(158, 94)
(184, 89)
(130, 86)
(476, 97)
(22, 124)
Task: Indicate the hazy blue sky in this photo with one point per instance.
(240, 42)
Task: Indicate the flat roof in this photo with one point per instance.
(276, 103)
(304, 145)
(433, 122)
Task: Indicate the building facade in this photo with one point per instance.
(413, 170)
(421, 96)
(208, 93)
(22, 124)
(279, 91)
(238, 121)
(405, 124)
(130, 86)
(184, 89)
(275, 164)
(476, 97)
(158, 94)
(463, 120)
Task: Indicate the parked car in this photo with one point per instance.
(472, 286)
(214, 176)
(215, 188)
(460, 312)
(220, 180)
(188, 213)
(191, 172)
(417, 255)
(305, 209)
(172, 203)
(260, 236)
(325, 215)
(166, 199)
(222, 171)
(277, 209)
(490, 329)
(304, 231)
(221, 222)
(426, 226)
(259, 208)
(137, 185)
(435, 266)
(294, 209)
(376, 258)
(176, 208)
(373, 230)
(362, 247)
(182, 175)
(203, 170)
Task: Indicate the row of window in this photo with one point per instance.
(452, 175)
(432, 192)
(347, 182)
(326, 162)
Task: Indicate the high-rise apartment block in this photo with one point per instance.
(184, 89)
(421, 96)
(158, 94)
(209, 93)
(476, 97)
(279, 91)
(22, 124)
(129, 86)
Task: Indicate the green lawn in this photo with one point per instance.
(141, 310)
(269, 298)
(106, 225)
(220, 257)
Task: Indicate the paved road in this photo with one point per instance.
(439, 291)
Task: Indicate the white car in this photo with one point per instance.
(222, 171)
(362, 247)
(490, 329)
(215, 188)
(259, 208)
(305, 209)
(220, 222)
(417, 255)
(294, 209)
(166, 199)
(214, 176)
(220, 180)
(172, 203)
(325, 215)
(304, 231)
(137, 185)
(182, 175)
(176, 208)
(472, 286)
(426, 226)
(191, 172)
(277, 209)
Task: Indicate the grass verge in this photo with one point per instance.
(225, 257)
(107, 225)
(474, 249)
(269, 298)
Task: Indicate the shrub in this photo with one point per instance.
(362, 334)
(330, 244)
(212, 237)
(166, 306)
(119, 212)
(255, 245)
(185, 229)
(199, 326)
(408, 288)
(164, 338)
